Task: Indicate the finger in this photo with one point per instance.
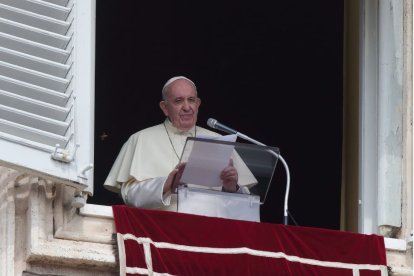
(231, 162)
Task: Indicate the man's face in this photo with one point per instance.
(181, 104)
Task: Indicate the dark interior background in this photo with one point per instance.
(270, 69)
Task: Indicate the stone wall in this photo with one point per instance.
(42, 234)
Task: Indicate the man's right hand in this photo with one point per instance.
(173, 179)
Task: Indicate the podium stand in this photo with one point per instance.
(218, 204)
(203, 195)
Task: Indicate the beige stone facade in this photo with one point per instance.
(42, 234)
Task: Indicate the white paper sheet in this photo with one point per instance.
(207, 160)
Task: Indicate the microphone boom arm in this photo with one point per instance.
(285, 207)
(216, 125)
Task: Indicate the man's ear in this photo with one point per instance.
(163, 106)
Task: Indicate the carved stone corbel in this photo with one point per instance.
(40, 231)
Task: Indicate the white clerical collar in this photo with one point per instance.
(175, 130)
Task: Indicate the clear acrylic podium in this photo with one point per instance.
(201, 192)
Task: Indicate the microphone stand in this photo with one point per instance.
(285, 208)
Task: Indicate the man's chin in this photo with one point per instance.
(187, 124)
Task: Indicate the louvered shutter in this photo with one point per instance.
(47, 88)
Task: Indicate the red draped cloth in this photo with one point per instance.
(154, 242)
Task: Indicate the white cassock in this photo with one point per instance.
(146, 159)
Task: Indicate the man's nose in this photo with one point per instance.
(186, 105)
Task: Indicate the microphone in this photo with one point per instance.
(213, 123)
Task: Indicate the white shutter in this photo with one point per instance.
(47, 60)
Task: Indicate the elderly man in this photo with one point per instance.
(147, 168)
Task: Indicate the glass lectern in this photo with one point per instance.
(200, 191)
